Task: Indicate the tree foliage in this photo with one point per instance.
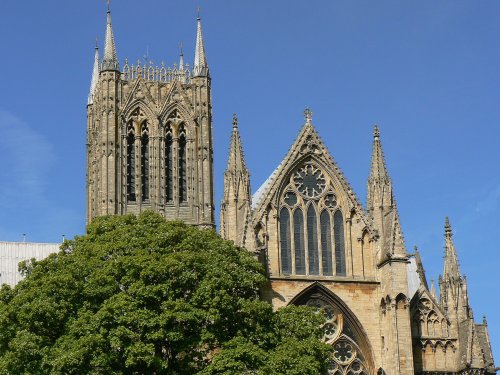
(139, 295)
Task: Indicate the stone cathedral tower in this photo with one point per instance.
(149, 137)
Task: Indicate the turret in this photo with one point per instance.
(235, 205)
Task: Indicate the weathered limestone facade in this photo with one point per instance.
(149, 138)
(149, 146)
(322, 248)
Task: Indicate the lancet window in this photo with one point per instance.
(144, 162)
(182, 165)
(311, 226)
(169, 163)
(130, 163)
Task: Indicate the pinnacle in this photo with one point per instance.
(200, 59)
(378, 168)
(110, 59)
(236, 160)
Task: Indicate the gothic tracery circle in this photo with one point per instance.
(310, 181)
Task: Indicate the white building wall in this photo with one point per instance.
(12, 253)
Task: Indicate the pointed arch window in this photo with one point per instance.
(285, 241)
(311, 225)
(326, 243)
(298, 238)
(312, 241)
(144, 162)
(169, 163)
(182, 165)
(338, 228)
(130, 163)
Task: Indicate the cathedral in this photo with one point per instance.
(149, 147)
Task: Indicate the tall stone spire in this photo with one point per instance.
(236, 203)
(110, 59)
(451, 270)
(95, 77)
(200, 60)
(379, 182)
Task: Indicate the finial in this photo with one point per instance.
(415, 248)
(108, 1)
(308, 114)
(484, 320)
(198, 9)
(96, 43)
(376, 133)
(447, 227)
(235, 121)
(180, 48)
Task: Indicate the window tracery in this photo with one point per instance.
(311, 225)
(182, 165)
(347, 357)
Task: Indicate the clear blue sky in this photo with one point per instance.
(427, 72)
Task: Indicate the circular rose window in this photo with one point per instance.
(310, 181)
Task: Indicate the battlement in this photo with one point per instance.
(152, 73)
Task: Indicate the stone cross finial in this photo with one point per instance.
(376, 133)
(308, 114)
(235, 121)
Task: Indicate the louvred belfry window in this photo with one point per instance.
(169, 170)
(182, 165)
(311, 225)
(144, 162)
(130, 163)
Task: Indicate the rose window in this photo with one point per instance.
(310, 181)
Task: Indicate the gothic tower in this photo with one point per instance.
(149, 137)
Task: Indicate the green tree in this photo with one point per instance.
(139, 295)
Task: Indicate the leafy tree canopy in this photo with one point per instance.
(139, 295)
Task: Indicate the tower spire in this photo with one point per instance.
(200, 59)
(110, 59)
(378, 168)
(95, 76)
(451, 270)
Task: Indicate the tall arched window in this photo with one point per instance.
(169, 170)
(130, 163)
(338, 229)
(311, 226)
(326, 243)
(312, 241)
(144, 162)
(182, 165)
(285, 241)
(298, 239)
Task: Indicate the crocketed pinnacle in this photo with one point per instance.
(433, 290)
(110, 59)
(378, 169)
(95, 77)
(420, 268)
(200, 59)
(451, 269)
(236, 160)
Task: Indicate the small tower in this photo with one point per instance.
(235, 205)
(149, 141)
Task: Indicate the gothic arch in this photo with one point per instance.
(185, 113)
(139, 104)
(352, 327)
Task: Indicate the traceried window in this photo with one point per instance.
(169, 171)
(311, 226)
(347, 357)
(144, 162)
(182, 165)
(130, 163)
